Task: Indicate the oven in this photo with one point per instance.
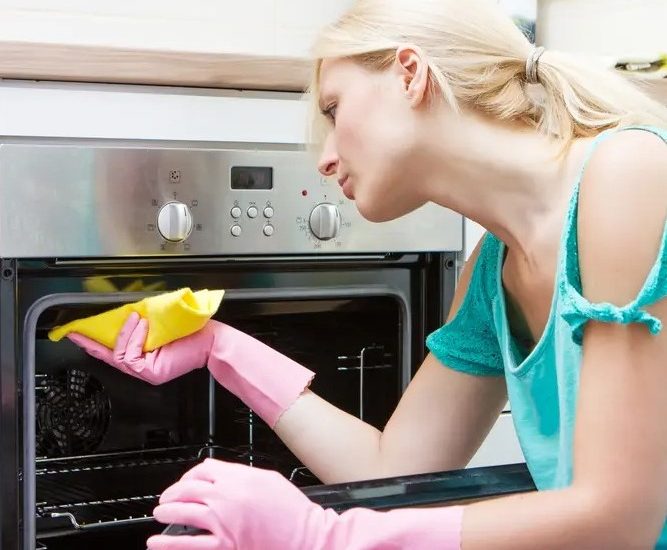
(86, 225)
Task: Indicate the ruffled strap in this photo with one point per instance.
(577, 311)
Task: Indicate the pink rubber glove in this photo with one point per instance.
(265, 380)
(157, 367)
(253, 509)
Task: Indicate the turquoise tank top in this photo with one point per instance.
(543, 386)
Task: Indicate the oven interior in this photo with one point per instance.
(106, 444)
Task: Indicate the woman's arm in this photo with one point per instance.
(441, 420)
(439, 423)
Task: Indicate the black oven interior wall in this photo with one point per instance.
(105, 445)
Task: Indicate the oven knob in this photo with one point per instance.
(325, 221)
(174, 222)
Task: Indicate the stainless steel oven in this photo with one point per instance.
(86, 225)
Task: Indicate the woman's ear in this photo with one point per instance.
(412, 66)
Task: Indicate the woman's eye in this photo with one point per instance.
(330, 113)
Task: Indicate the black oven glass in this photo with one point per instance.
(108, 444)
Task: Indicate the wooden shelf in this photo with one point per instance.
(39, 61)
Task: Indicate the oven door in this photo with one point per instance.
(91, 449)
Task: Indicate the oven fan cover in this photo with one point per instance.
(72, 413)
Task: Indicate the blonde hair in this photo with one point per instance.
(477, 59)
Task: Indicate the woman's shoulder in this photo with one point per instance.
(618, 253)
(631, 148)
(622, 204)
(623, 207)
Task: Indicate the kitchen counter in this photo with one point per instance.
(442, 488)
(74, 63)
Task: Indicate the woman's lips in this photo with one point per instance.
(345, 186)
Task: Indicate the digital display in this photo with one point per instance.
(252, 177)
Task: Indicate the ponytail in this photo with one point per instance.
(580, 101)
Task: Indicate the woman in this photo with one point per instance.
(559, 307)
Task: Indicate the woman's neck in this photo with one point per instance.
(506, 177)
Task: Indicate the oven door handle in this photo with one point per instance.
(439, 488)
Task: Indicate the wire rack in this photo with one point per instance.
(90, 492)
(96, 491)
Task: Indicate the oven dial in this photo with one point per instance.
(174, 222)
(325, 221)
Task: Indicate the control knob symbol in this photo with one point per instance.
(174, 222)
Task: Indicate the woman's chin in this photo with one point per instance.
(379, 210)
(373, 211)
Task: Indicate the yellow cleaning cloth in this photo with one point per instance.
(170, 316)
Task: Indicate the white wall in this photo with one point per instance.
(262, 27)
(616, 28)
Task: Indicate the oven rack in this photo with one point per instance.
(278, 459)
(97, 513)
(87, 492)
(115, 489)
(111, 465)
(93, 492)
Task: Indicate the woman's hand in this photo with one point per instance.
(254, 509)
(241, 507)
(158, 366)
(265, 380)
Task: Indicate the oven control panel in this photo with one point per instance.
(75, 200)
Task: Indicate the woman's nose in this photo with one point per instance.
(328, 163)
(327, 166)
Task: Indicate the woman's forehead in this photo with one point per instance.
(327, 72)
(334, 71)
(327, 79)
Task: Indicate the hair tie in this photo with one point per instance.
(532, 65)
